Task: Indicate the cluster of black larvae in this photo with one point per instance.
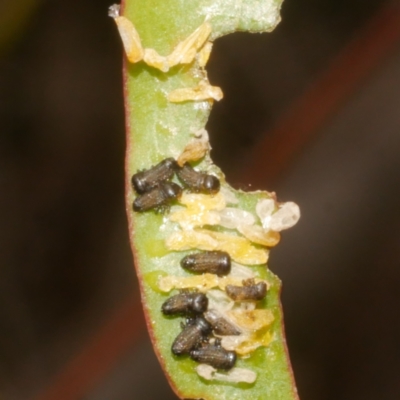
(157, 192)
(200, 335)
(195, 337)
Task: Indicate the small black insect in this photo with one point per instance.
(145, 180)
(193, 333)
(219, 324)
(249, 291)
(214, 355)
(158, 197)
(214, 262)
(198, 181)
(185, 303)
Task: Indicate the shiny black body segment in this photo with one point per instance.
(195, 331)
(145, 180)
(249, 291)
(220, 325)
(213, 262)
(158, 197)
(214, 355)
(185, 303)
(198, 181)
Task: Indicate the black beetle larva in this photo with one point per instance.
(214, 355)
(185, 303)
(198, 181)
(157, 197)
(145, 180)
(249, 291)
(220, 325)
(213, 262)
(193, 333)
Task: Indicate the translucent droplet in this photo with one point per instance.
(264, 210)
(286, 217)
(231, 218)
(241, 271)
(229, 196)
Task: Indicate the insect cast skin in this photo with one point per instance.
(198, 181)
(145, 180)
(220, 325)
(249, 291)
(214, 355)
(213, 262)
(193, 333)
(158, 197)
(184, 53)
(185, 303)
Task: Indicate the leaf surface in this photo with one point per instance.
(158, 129)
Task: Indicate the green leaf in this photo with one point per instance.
(157, 129)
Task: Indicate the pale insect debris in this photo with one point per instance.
(200, 210)
(204, 54)
(196, 149)
(258, 235)
(245, 344)
(241, 271)
(203, 91)
(129, 35)
(286, 216)
(153, 59)
(251, 320)
(235, 375)
(184, 53)
(232, 217)
(244, 222)
(220, 325)
(229, 196)
(219, 300)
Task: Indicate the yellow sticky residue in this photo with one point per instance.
(155, 247)
(200, 210)
(199, 202)
(257, 234)
(239, 248)
(152, 279)
(254, 342)
(251, 320)
(188, 220)
(202, 282)
(186, 240)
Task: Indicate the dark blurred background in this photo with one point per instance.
(311, 111)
